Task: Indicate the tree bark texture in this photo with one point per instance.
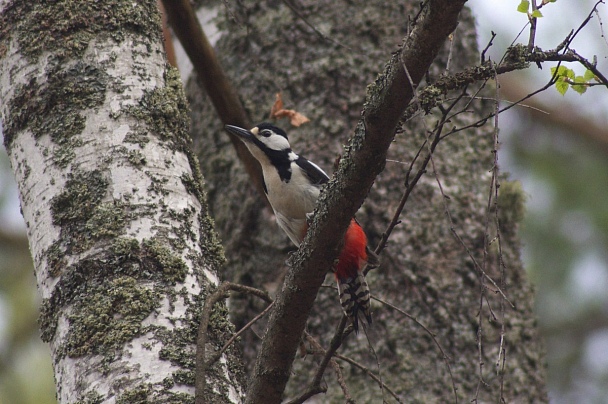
(426, 271)
(96, 127)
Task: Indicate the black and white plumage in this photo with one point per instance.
(291, 182)
(292, 185)
(355, 297)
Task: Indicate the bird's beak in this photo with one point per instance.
(244, 134)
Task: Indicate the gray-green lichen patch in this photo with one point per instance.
(147, 393)
(66, 27)
(136, 158)
(111, 316)
(166, 113)
(107, 220)
(139, 137)
(91, 397)
(82, 216)
(54, 107)
(55, 260)
(193, 186)
(165, 110)
(172, 267)
(140, 394)
(183, 231)
(210, 244)
(99, 285)
(511, 206)
(178, 345)
(83, 192)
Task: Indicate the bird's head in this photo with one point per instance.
(265, 141)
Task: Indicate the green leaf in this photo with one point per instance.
(536, 14)
(523, 6)
(562, 86)
(563, 71)
(581, 84)
(589, 75)
(579, 89)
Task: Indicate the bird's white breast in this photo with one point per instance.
(291, 201)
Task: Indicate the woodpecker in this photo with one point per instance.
(292, 185)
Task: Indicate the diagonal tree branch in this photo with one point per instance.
(210, 74)
(364, 160)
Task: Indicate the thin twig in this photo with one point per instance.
(410, 186)
(218, 355)
(532, 27)
(201, 365)
(371, 374)
(483, 120)
(371, 347)
(319, 349)
(501, 263)
(449, 61)
(335, 343)
(315, 386)
(310, 392)
(445, 356)
(601, 24)
(421, 171)
(490, 43)
(301, 16)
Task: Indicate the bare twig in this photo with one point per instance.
(333, 364)
(532, 28)
(301, 16)
(587, 19)
(335, 343)
(409, 186)
(219, 354)
(201, 365)
(445, 356)
(601, 24)
(371, 347)
(482, 121)
(371, 374)
(315, 386)
(490, 42)
(501, 263)
(310, 392)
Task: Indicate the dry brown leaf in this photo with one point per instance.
(295, 118)
(277, 106)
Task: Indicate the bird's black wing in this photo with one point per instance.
(316, 175)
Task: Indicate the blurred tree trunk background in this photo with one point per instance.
(321, 55)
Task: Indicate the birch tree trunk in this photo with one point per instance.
(321, 57)
(96, 126)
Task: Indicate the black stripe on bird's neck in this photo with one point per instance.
(279, 159)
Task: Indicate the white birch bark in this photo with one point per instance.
(95, 124)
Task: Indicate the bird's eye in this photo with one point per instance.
(266, 133)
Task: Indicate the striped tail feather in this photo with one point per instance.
(354, 297)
